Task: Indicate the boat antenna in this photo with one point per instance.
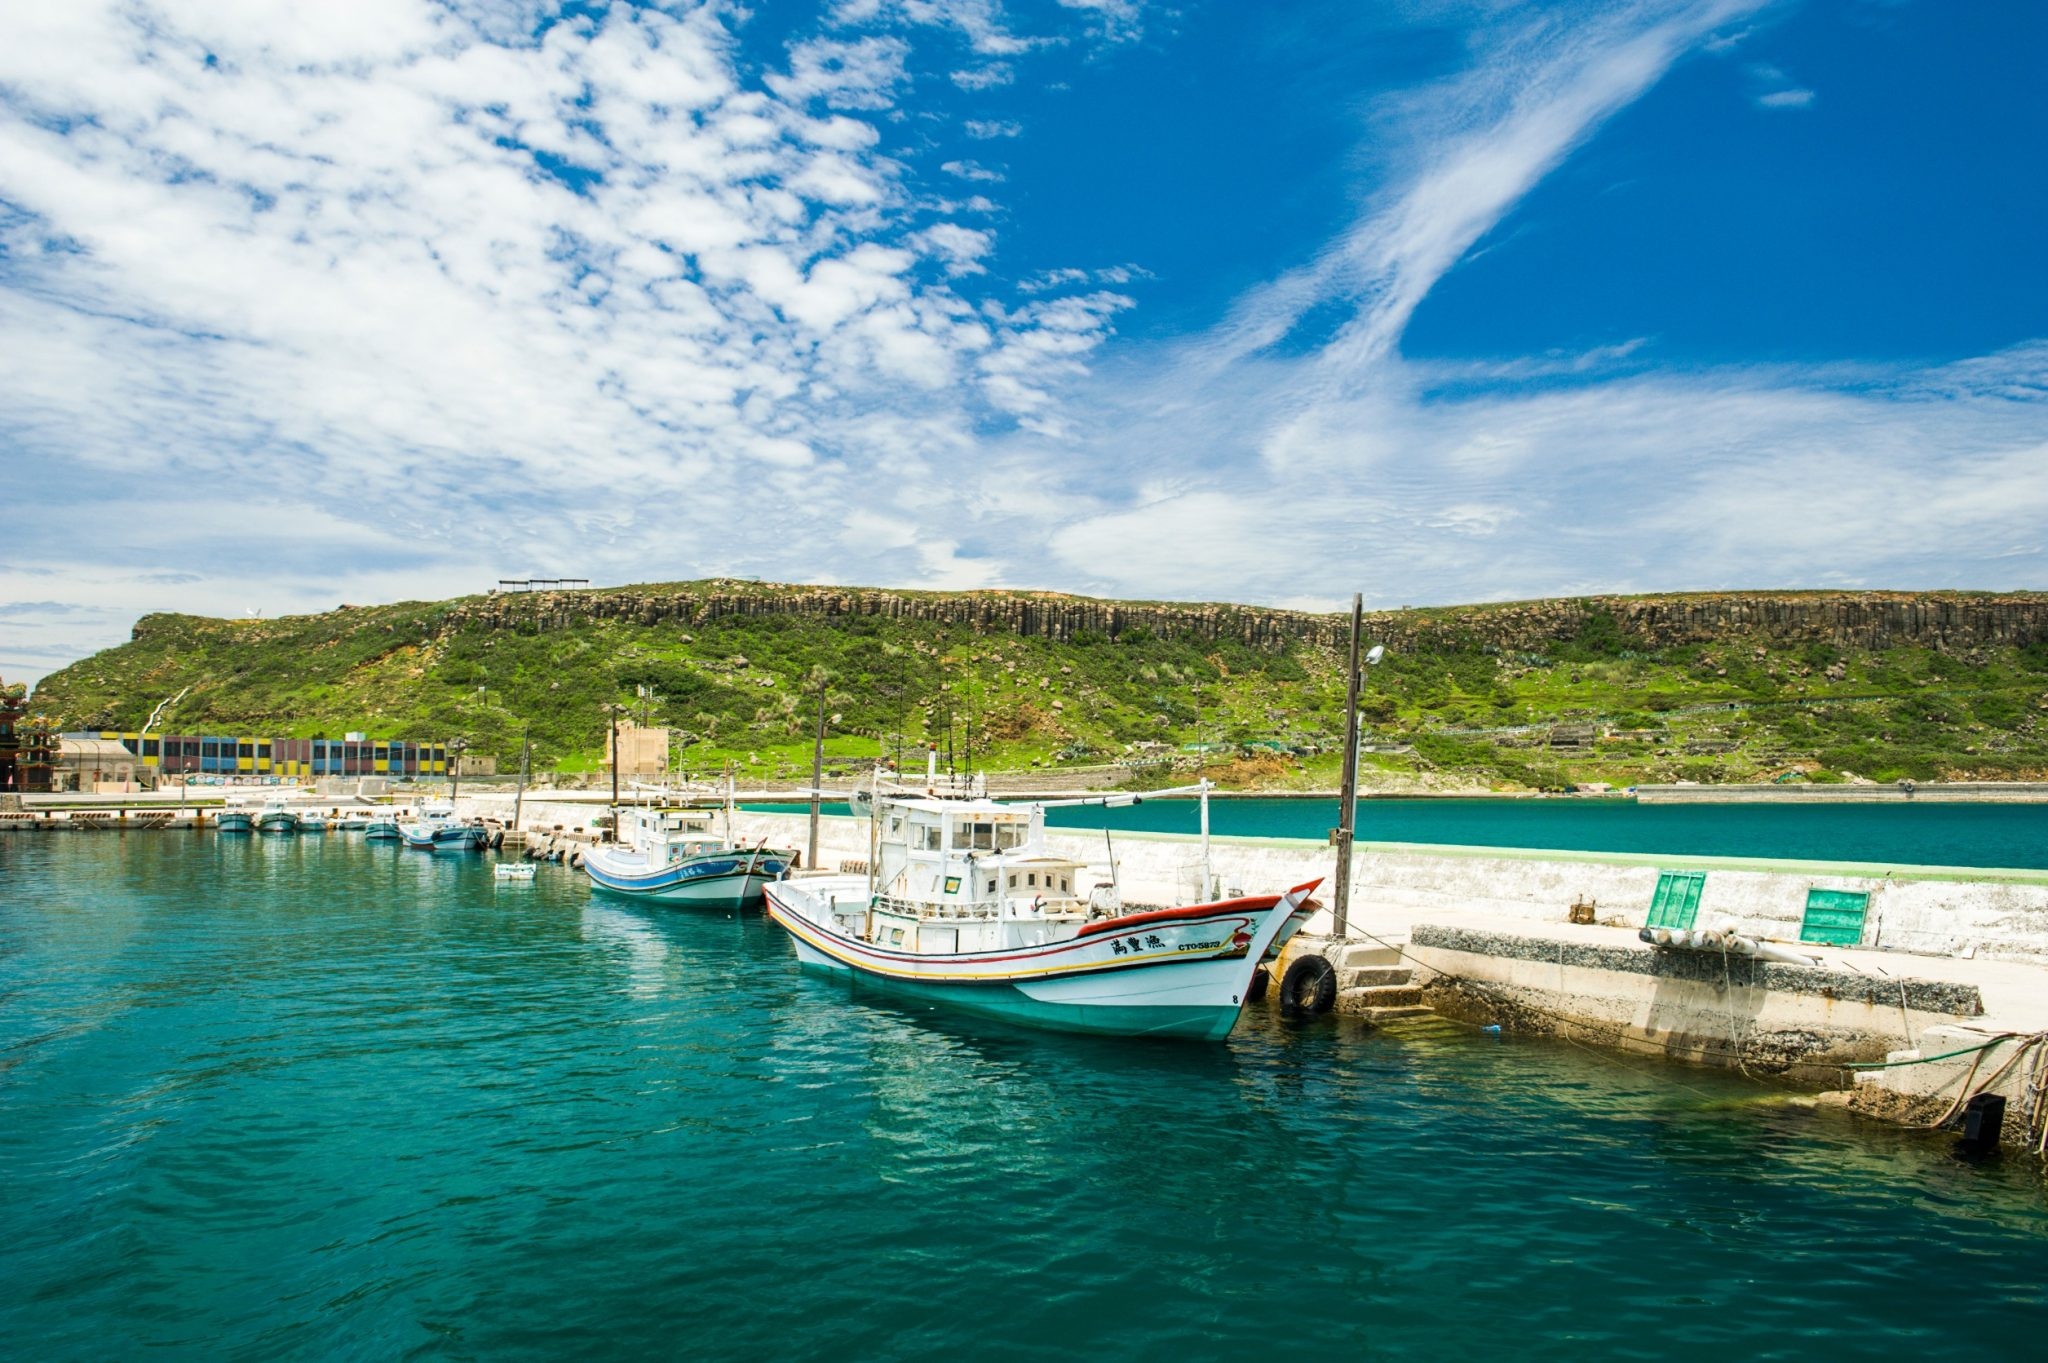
(817, 775)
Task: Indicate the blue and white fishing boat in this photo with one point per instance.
(436, 829)
(673, 855)
(235, 817)
(382, 828)
(276, 817)
(964, 905)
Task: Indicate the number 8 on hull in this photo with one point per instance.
(966, 908)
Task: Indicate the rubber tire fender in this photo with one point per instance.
(1255, 992)
(1309, 986)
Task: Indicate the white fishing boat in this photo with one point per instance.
(673, 855)
(964, 905)
(276, 817)
(313, 821)
(235, 816)
(435, 827)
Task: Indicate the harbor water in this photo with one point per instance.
(322, 1098)
(1982, 835)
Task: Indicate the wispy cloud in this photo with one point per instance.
(1785, 99)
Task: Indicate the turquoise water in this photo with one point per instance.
(1913, 835)
(316, 1098)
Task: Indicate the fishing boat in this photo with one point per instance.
(312, 821)
(235, 817)
(964, 905)
(436, 829)
(276, 817)
(382, 828)
(673, 855)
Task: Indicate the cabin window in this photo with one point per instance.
(895, 936)
(991, 887)
(1009, 835)
(1013, 880)
(1063, 884)
(928, 838)
(1031, 879)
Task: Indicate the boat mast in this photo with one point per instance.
(519, 796)
(1208, 876)
(1347, 800)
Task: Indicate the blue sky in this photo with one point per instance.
(1439, 301)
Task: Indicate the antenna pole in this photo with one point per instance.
(817, 776)
(1347, 800)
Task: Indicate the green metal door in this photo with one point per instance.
(1834, 917)
(1677, 899)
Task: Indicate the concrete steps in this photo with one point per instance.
(1375, 983)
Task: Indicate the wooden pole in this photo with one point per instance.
(1347, 810)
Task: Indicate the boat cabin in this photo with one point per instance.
(668, 836)
(968, 875)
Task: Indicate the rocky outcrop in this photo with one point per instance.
(1864, 620)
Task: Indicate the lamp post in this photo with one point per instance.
(1347, 811)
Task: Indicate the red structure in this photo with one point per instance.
(28, 749)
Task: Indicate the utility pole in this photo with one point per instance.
(1348, 813)
(613, 710)
(817, 777)
(1347, 800)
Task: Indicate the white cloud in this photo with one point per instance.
(1786, 99)
(972, 170)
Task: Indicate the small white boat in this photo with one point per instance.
(964, 906)
(312, 821)
(673, 855)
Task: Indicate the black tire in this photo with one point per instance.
(1309, 986)
(1255, 992)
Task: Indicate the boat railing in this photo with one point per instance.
(922, 909)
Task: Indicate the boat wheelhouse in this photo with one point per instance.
(964, 904)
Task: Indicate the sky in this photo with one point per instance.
(1436, 300)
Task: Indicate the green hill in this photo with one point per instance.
(1714, 687)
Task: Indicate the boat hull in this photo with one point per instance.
(277, 823)
(720, 880)
(235, 823)
(382, 830)
(1177, 973)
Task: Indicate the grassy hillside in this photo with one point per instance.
(1594, 703)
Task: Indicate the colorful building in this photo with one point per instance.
(355, 755)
